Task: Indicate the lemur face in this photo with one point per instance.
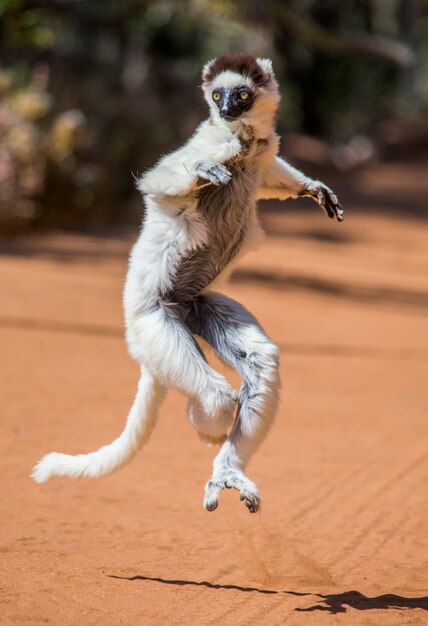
(233, 101)
(239, 86)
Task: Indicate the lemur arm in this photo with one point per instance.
(280, 180)
(174, 175)
(202, 157)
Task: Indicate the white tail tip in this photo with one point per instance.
(73, 466)
(45, 467)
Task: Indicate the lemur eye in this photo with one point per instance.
(244, 95)
(216, 96)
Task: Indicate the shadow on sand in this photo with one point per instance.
(337, 602)
(372, 294)
(202, 583)
(332, 603)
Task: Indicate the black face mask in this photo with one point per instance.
(232, 102)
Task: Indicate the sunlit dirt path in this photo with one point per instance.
(342, 536)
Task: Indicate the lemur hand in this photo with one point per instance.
(214, 172)
(326, 199)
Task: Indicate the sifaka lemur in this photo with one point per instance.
(200, 218)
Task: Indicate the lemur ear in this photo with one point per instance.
(206, 70)
(266, 65)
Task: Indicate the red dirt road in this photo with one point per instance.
(342, 536)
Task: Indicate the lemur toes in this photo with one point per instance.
(212, 491)
(252, 502)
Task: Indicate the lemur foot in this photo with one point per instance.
(212, 428)
(232, 479)
(326, 199)
(214, 172)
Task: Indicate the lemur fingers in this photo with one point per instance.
(214, 172)
(329, 203)
(326, 199)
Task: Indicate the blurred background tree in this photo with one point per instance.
(92, 90)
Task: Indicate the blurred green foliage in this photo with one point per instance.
(93, 90)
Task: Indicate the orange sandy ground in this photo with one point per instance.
(342, 536)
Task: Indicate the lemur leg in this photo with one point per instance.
(171, 353)
(240, 341)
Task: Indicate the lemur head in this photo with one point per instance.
(240, 87)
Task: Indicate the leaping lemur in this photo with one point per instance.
(200, 218)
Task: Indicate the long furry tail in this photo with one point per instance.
(139, 425)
